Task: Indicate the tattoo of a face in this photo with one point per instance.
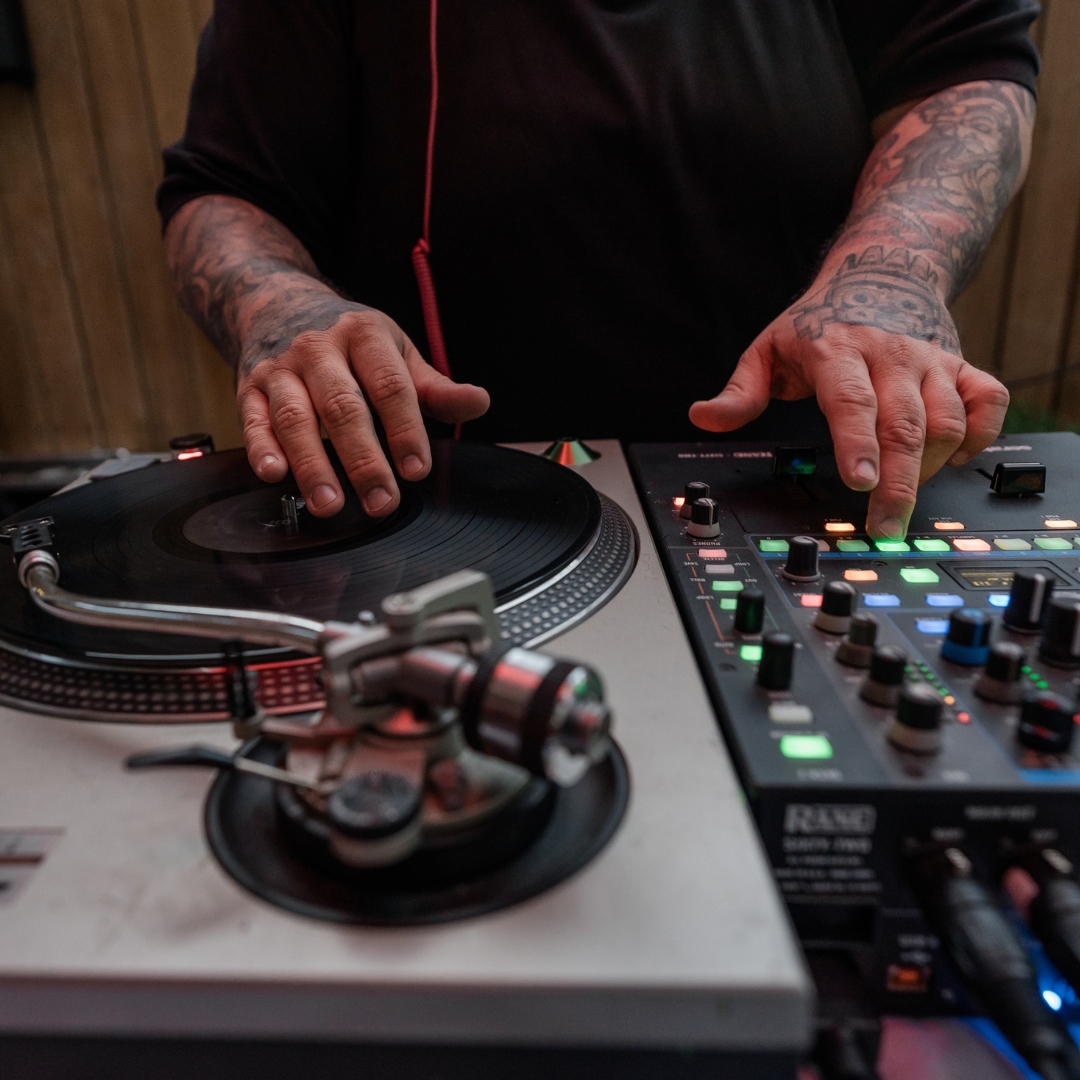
(942, 192)
(896, 293)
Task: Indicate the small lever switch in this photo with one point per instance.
(1028, 598)
(917, 724)
(857, 649)
(704, 519)
(1000, 680)
(1018, 478)
(834, 615)
(802, 560)
(750, 611)
(968, 640)
(777, 659)
(885, 677)
(691, 493)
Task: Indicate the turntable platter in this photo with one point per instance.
(208, 532)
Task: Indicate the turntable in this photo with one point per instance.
(422, 829)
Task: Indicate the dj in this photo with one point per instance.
(625, 197)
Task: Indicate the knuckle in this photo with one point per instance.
(996, 396)
(366, 467)
(897, 491)
(389, 384)
(903, 433)
(292, 417)
(948, 429)
(341, 407)
(855, 396)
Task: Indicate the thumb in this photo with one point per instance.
(745, 397)
(442, 398)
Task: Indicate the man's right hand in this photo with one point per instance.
(305, 356)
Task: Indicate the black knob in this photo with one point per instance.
(917, 725)
(802, 559)
(374, 805)
(777, 658)
(1000, 680)
(1060, 643)
(1046, 723)
(1028, 598)
(857, 649)
(834, 615)
(886, 675)
(968, 640)
(691, 493)
(750, 611)
(704, 519)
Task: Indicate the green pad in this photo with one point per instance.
(1005, 543)
(892, 545)
(919, 575)
(805, 746)
(852, 545)
(727, 586)
(751, 653)
(1053, 543)
(728, 603)
(931, 545)
(773, 545)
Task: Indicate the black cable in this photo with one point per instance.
(992, 961)
(1054, 915)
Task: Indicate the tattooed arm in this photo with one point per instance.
(872, 338)
(305, 354)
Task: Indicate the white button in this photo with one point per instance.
(788, 712)
(713, 568)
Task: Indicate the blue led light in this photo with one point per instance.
(932, 626)
(1052, 999)
(880, 599)
(941, 599)
(998, 599)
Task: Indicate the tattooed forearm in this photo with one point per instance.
(931, 193)
(246, 280)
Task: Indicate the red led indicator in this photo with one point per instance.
(963, 717)
(187, 455)
(678, 500)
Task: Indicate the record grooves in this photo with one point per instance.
(208, 532)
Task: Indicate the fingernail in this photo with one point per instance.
(892, 529)
(961, 458)
(866, 470)
(322, 496)
(411, 466)
(265, 463)
(376, 499)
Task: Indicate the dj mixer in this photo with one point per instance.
(901, 712)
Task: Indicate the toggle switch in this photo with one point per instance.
(837, 602)
(802, 560)
(857, 649)
(888, 667)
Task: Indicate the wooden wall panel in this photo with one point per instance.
(95, 350)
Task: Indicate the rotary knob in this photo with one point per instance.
(1000, 680)
(968, 640)
(834, 615)
(888, 667)
(917, 724)
(802, 560)
(1060, 643)
(777, 659)
(857, 649)
(1028, 598)
(704, 519)
(1046, 723)
(691, 493)
(750, 611)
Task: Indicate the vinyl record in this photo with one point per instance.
(208, 532)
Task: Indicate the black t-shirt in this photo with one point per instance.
(625, 193)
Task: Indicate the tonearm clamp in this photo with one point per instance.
(431, 732)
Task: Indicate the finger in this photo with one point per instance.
(745, 397)
(339, 402)
(946, 421)
(846, 396)
(986, 402)
(263, 450)
(441, 398)
(901, 433)
(388, 387)
(297, 430)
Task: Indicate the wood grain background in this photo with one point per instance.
(94, 350)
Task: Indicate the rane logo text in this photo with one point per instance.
(830, 819)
